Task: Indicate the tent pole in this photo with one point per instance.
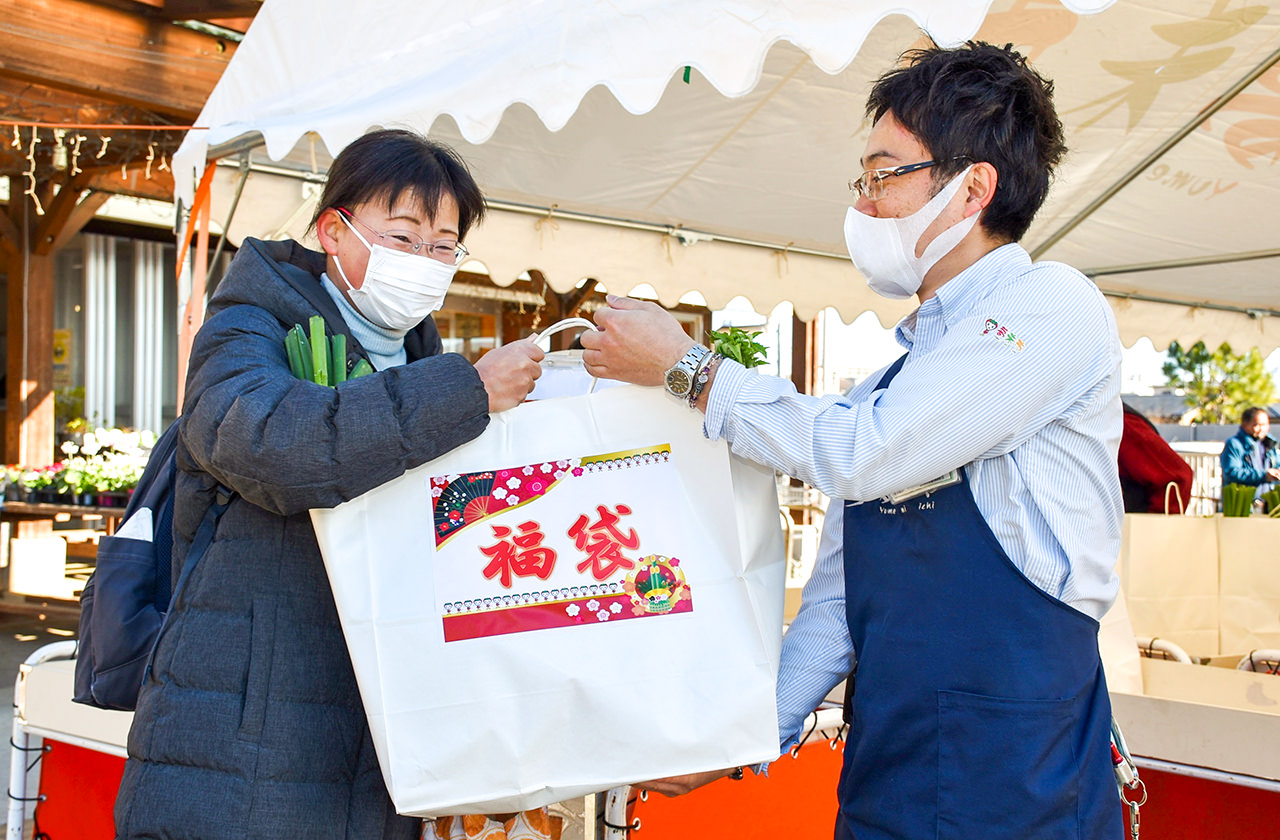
(1160, 151)
(193, 314)
(1188, 262)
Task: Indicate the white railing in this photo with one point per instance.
(1206, 486)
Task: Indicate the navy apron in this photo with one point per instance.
(979, 709)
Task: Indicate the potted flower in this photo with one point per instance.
(109, 463)
(13, 489)
(41, 482)
(113, 479)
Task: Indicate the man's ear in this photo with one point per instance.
(327, 224)
(982, 187)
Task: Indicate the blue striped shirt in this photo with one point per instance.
(1014, 375)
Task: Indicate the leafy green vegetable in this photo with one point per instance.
(294, 352)
(319, 350)
(1237, 499)
(738, 344)
(338, 358)
(320, 358)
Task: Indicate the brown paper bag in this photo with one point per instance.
(1249, 583)
(1121, 660)
(1169, 573)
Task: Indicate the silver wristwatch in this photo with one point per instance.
(679, 379)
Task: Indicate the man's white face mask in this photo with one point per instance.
(884, 250)
(400, 289)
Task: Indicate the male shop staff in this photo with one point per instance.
(967, 570)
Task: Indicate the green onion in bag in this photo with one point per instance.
(1237, 499)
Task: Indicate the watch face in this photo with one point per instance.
(679, 381)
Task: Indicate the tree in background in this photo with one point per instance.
(1219, 384)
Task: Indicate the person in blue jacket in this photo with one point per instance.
(1250, 455)
(961, 575)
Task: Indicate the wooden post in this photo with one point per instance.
(804, 355)
(29, 420)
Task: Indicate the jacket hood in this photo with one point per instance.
(283, 277)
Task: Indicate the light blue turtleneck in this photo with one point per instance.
(385, 347)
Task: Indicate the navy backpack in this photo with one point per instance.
(127, 597)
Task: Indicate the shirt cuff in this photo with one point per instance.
(730, 377)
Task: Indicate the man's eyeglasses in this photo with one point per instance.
(448, 251)
(870, 184)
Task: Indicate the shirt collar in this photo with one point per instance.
(957, 297)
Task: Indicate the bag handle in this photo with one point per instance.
(561, 326)
(1177, 492)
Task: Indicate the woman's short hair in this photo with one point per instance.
(979, 103)
(383, 165)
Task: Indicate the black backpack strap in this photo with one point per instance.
(204, 535)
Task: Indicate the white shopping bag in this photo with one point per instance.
(589, 594)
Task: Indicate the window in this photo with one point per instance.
(116, 332)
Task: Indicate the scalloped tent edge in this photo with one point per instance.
(529, 225)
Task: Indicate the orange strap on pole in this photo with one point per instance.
(193, 314)
(204, 194)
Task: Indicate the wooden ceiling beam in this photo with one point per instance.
(79, 217)
(159, 186)
(210, 11)
(56, 212)
(225, 13)
(101, 52)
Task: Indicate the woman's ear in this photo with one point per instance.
(327, 224)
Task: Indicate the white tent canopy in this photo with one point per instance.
(605, 158)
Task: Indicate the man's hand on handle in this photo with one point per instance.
(637, 342)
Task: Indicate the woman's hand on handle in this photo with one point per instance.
(508, 373)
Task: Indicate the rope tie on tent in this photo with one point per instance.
(550, 221)
(672, 233)
(784, 262)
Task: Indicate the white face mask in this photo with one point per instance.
(884, 250)
(399, 289)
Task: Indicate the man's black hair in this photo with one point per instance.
(979, 103)
(1250, 413)
(383, 165)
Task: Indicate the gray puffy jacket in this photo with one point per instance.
(250, 724)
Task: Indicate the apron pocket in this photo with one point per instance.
(1007, 768)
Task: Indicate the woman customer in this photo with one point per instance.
(250, 724)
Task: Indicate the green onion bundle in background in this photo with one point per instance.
(1237, 499)
(319, 358)
(1272, 500)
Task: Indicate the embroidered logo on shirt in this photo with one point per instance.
(1002, 332)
